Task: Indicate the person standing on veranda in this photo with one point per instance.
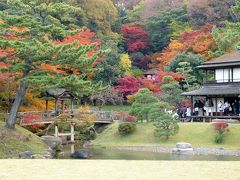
(220, 107)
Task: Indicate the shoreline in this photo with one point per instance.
(160, 149)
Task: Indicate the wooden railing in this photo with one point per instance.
(101, 117)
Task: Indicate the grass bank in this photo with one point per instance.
(12, 142)
(198, 134)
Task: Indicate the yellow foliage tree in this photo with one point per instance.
(100, 14)
(125, 64)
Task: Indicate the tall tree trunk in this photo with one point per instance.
(17, 102)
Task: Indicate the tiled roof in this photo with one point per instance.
(231, 59)
(151, 71)
(229, 89)
(59, 93)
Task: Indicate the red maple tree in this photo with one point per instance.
(128, 85)
(135, 37)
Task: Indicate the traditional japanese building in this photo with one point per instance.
(151, 73)
(222, 84)
(59, 95)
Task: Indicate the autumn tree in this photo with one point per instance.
(108, 96)
(143, 10)
(140, 60)
(193, 60)
(210, 11)
(128, 85)
(125, 64)
(109, 62)
(100, 15)
(200, 41)
(153, 7)
(41, 26)
(236, 10)
(129, 4)
(161, 27)
(135, 37)
(227, 38)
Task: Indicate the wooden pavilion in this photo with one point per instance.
(59, 95)
(222, 84)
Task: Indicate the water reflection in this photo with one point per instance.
(101, 153)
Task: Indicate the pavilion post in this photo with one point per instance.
(55, 106)
(47, 107)
(56, 131)
(72, 148)
(191, 105)
(62, 106)
(216, 107)
(72, 133)
(72, 106)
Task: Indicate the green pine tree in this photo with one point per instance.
(45, 21)
(189, 81)
(171, 91)
(144, 103)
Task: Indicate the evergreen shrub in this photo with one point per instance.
(126, 128)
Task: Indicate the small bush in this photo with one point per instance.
(124, 116)
(218, 138)
(130, 118)
(84, 132)
(126, 128)
(220, 128)
(63, 126)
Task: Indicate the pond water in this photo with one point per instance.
(110, 154)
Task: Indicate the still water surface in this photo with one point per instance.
(109, 154)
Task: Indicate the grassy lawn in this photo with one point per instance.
(13, 142)
(198, 134)
(104, 170)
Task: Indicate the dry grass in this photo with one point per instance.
(12, 142)
(114, 170)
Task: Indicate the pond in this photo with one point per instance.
(110, 154)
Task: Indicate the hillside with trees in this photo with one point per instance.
(108, 43)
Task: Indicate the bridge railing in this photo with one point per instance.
(100, 115)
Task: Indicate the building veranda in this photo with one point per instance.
(219, 96)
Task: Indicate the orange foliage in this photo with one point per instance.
(6, 52)
(3, 65)
(51, 67)
(176, 76)
(86, 37)
(18, 29)
(5, 75)
(199, 41)
(155, 84)
(35, 104)
(152, 85)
